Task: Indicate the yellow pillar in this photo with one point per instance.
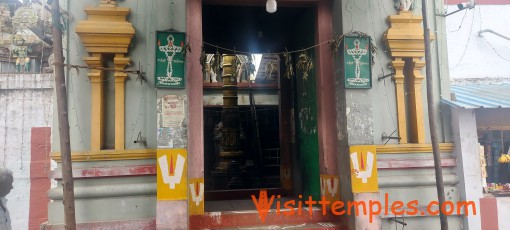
(398, 65)
(416, 102)
(97, 101)
(120, 63)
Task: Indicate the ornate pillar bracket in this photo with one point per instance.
(94, 60)
(405, 41)
(106, 31)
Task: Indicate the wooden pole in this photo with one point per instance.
(432, 119)
(63, 120)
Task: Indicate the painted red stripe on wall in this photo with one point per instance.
(39, 181)
(116, 171)
(415, 163)
(489, 213)
(142, 224)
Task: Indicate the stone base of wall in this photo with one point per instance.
(142, 224)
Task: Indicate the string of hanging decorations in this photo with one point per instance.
(304, 62)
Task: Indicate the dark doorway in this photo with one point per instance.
(266, 133)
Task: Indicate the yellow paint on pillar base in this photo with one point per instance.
(196, 196)
(172, 174)
(330, 187)
(364, 169)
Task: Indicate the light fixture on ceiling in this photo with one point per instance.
(271, 6)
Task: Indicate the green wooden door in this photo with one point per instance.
(306, 112)
(307, 138)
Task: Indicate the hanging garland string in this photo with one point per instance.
(268, 53)
(216, 62)
(289, 70)
(304, 62)
(203, 60)
(270, 69)
(333, 42)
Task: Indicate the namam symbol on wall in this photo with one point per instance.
(197, 192)
(362, 169)
(329, 185)
(171, 174)
(196, 196)
(357, 53)
(170, 50)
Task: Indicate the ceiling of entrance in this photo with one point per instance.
(250, 28)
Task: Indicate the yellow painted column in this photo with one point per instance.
(97, 101)
(120, 63)
(416, 102)
(398, 65)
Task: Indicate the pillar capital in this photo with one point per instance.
(398, 65)
(417, 66)
(418, 63)
(120, 78)
(120, 60)
(94, 61)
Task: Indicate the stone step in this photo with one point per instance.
(250, 219)
(308, 226)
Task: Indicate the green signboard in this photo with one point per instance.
(357, 60)
(170, 47)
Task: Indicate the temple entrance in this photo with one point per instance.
(260, 126)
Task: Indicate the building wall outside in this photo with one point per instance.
(375, 109)
(469, 168)
(93, 204)
(147, 18)
(25, 102)
(493, 118)
(369, 112)
(373, 112)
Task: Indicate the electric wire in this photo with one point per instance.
(494, 49)
(382, 68)
(468, 41)
(139, 114)
(71, 88)
(487, 42)
(348, 9)
(461, 22)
